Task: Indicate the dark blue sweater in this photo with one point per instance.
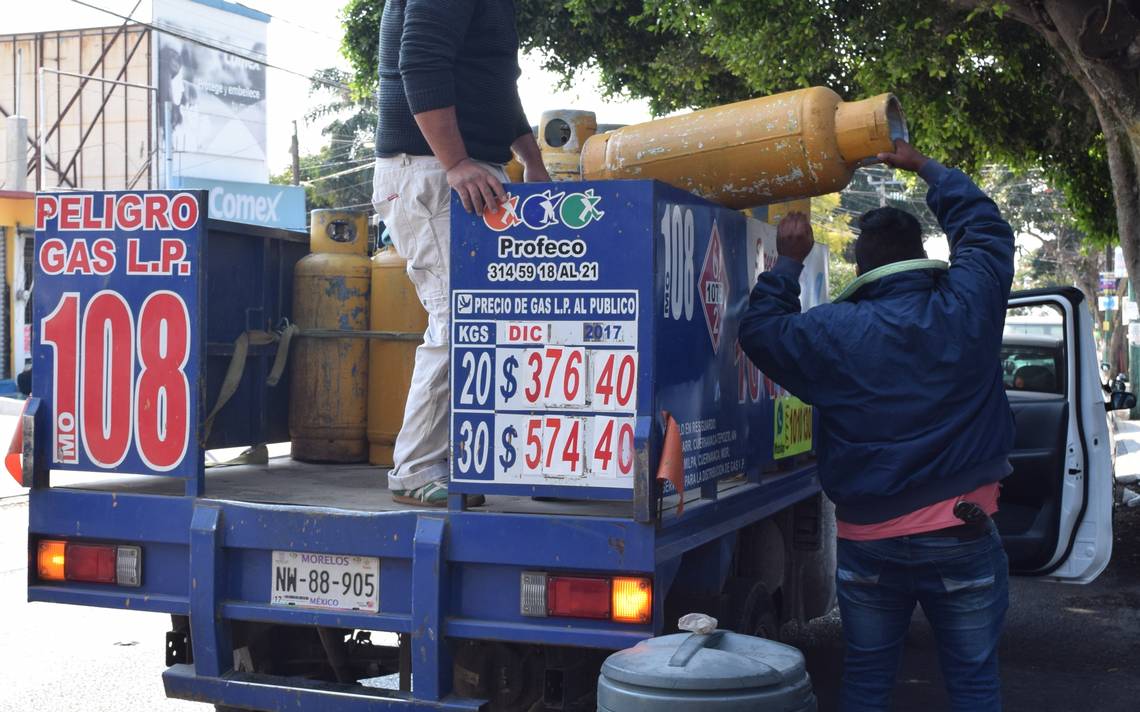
(906, 374)
(440, 53)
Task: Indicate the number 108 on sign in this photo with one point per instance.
(120, 379)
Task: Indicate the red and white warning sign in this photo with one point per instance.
(713, 286)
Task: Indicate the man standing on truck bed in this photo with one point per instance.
(916, 428)
(450, 116)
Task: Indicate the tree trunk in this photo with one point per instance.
(1114, 90)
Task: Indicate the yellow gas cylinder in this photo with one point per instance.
(395, 308)
(328, 397)
(514, 170)
(561, 135)
(792, 145)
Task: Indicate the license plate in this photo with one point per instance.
(329, 581)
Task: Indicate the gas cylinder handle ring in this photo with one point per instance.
(341, 231)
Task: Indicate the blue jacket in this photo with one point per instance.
(906, 373)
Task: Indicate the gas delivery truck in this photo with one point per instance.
(635, 465)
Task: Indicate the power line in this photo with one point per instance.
(203, 43)
(291, 22)
(339, 173)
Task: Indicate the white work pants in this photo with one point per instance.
(411, 196)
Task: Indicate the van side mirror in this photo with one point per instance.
(1121, 400)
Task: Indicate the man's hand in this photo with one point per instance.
(904, 157)
(794, 237)
(478, 187)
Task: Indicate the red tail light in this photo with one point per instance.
(91, 563)
(119, 564)
(578, 597)
(622, 599)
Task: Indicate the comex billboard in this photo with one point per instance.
(270, 205)
(212, 100)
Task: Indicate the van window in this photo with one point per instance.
(1033, 350)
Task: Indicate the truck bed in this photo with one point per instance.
(350, 487)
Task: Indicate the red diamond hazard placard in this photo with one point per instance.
(713, 286)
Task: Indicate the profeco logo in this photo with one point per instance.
(545, 209)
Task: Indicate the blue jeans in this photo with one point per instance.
(963, 587)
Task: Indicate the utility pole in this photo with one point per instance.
(167, 146)
(17, 130)
(296, 157)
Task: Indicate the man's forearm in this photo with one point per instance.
(526, 149)
(931, 171)
(440, 128)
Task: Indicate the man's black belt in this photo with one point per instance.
(975, 523)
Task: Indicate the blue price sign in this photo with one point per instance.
(117, 335)
(581, 312)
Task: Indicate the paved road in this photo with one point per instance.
(69, 658)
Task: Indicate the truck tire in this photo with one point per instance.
(752, 609)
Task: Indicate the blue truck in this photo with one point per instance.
(636, 467)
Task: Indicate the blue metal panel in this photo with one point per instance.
(114, 517)
(431, 655)
(109, 598)
(561, 269)
(703, 278)
(587, 543)
(249, 287)
(301, 616)
(117, 330)
(269, 526)
(707, 520)
(548, 277)
(566, 632)
(209, 632)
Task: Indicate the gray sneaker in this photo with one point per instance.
(433, 494)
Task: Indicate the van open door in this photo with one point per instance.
(1055, 512)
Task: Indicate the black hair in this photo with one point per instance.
(887, 235)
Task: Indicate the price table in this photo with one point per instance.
(544, 387)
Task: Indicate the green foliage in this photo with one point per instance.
(339, 175)
(361, 43)
(840, 273)
(978, 88)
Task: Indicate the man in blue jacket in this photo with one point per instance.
(916, 429)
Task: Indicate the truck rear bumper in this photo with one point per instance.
(270, 692)
(443, 576)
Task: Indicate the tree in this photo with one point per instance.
(1028, 83)
(339, 175)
